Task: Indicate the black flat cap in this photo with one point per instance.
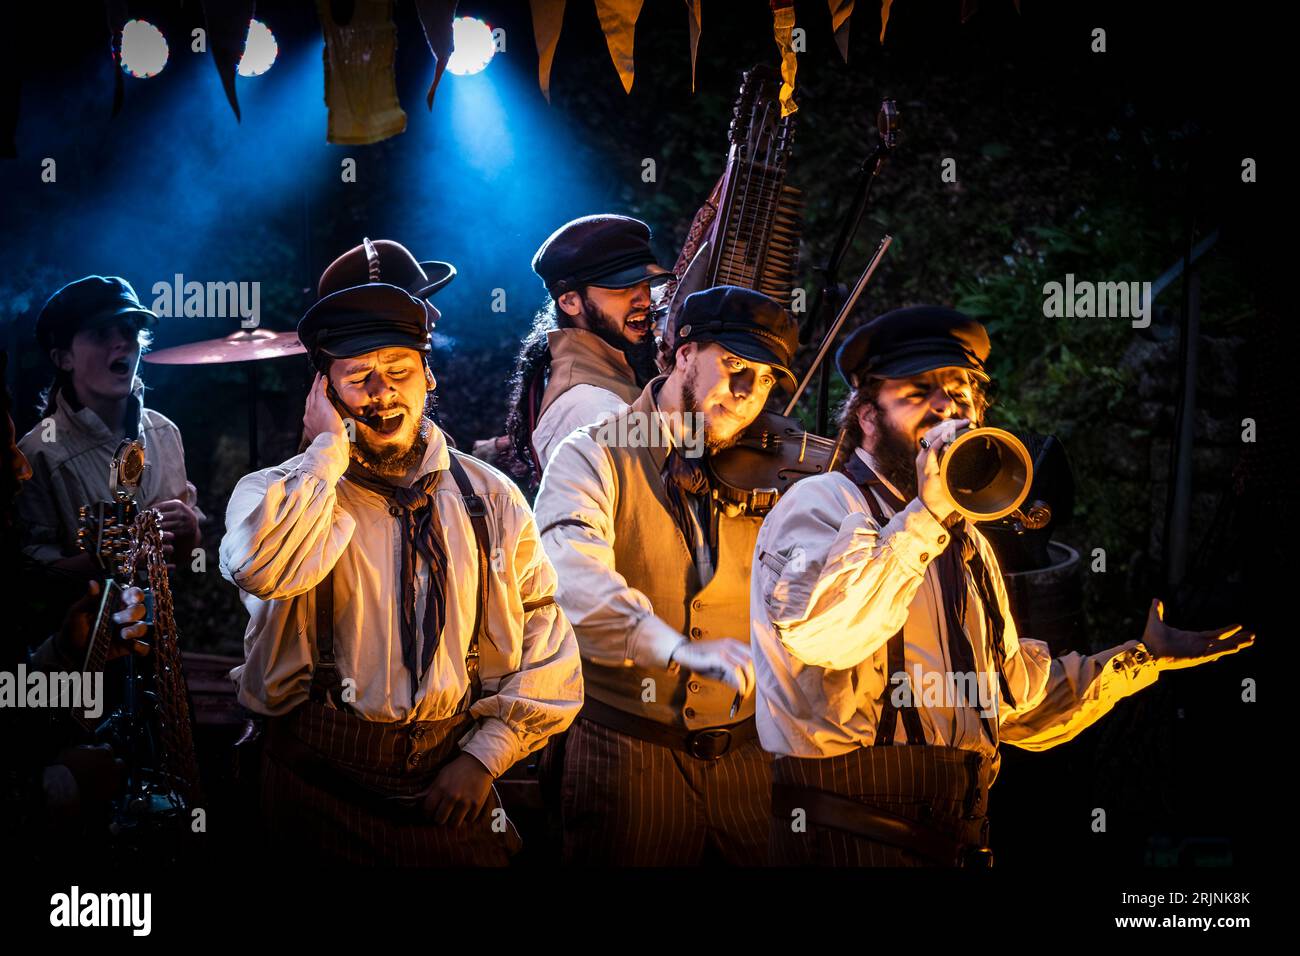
(612, 252)
(88, 303)
(362, 319)
(744, 322)
(384, 260)
(910, 341)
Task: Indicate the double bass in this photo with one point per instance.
(747, 234)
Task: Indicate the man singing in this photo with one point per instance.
(663, 766)
(865, 580)
(592, 347)
(403, 637)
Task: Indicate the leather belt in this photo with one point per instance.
(837, 812)
(705, 743)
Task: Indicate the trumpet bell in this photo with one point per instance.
(987, 472)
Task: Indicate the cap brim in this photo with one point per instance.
(927, 362)
(439, 273)
(752, 350)
(371, 342)
(626, 278)
(113, 315)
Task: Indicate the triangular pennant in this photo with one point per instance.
(841, 10)
(783, 29)
(548, 18)
(618, 20)
(227, 23)
(884, 17)
(693, 11)
(360, 85)
(436, 17)
(117, 15)
(968, 9)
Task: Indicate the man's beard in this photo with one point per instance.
(394, 462)
(895, 456)
(691, 406)
(641, 356)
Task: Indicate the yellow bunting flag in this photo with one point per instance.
(693, 10)
(783, 28)
(841, 10)
(884, 17)
(618, 20)
(548, 17)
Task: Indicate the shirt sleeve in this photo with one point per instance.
(836, 585)
(576, 408)
(1057, 698)
(37, 509)
(544, 694)
(285, 529)
(615, 623)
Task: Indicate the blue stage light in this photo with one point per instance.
(473, 46)
(144, 49)
(259, 50)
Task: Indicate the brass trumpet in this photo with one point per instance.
(988, 473)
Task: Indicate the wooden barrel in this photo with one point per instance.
(1047, 603)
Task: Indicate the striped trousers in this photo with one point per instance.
(628, 802)
(941, 788)
(361, 806)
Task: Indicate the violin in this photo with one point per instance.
(775, 450)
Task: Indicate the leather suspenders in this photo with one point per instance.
(895, 665)
(325, 680)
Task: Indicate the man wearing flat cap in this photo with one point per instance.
(93, 330)
(592, 347)
(403, 636)
(870, 591)
(663, 766)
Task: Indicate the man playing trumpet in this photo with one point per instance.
(866, 580)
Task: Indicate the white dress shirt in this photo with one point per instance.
(575, 408)
(289, 525)
(831, 587)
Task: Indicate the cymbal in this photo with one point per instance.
(246, 345)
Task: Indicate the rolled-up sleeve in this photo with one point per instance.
(284, 528)
(1058, 697)
(543, 695)
(615, 623)
(835, 584)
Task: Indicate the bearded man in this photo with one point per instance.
(402, 670)
(663, 766)
(889, 666)
(592, 347)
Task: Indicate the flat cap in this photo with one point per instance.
(913, 340)
(362, 319)
(612, 252)
(88, 303)
(743, 321)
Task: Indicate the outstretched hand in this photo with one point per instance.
(1173, 648)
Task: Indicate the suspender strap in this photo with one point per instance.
(325, 680)
(896, 664)
(997, 626)
(477, 508)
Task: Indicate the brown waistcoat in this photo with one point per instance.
(579, 357)
(651, 553)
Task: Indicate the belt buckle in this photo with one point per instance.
(975, 857)
(701, 744)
